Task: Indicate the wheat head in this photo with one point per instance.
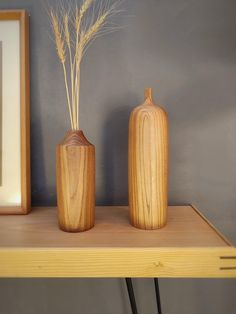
(73, 31)
(58, 37)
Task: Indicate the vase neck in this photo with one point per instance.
(148, 95)
(76, 137)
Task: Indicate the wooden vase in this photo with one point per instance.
(75, 168)
(148, 165)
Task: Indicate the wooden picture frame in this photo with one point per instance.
(24, 200)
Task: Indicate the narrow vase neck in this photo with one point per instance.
(148, 96)
(76, 137)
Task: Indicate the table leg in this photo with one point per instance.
(158, 298)
(131, 295)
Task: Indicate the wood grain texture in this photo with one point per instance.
(25, 114)
(185, 228)
(189, 246)
(23, 17)
(118, 262)
(148, 165)
(75, 182)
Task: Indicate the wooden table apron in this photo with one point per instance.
(122, 262)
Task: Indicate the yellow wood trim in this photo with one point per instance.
(25, 114)
(122, 262)
(8, 15)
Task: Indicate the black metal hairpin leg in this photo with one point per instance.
(131, 295)
(158, 298)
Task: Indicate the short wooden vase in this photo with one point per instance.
(75, 167)
(148, 165)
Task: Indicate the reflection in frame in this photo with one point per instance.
(14, 113)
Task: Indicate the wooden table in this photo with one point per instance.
(189, 246)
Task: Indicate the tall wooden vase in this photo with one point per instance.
(148, 165)
(75, 182)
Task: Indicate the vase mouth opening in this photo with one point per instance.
(74, 131)
(75, 137)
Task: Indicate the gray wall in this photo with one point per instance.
(185, 50)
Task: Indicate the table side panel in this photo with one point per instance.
(142, 262)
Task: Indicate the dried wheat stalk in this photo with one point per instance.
(74, 29)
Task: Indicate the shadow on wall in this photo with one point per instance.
(115, 151)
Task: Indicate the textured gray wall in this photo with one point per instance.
(185, 50)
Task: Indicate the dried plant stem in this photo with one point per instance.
(79, 15)
(78, 98)
(68, 96)
(73, 32)
(72, 79)
(67, 35)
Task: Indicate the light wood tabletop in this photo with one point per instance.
(188, 246)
